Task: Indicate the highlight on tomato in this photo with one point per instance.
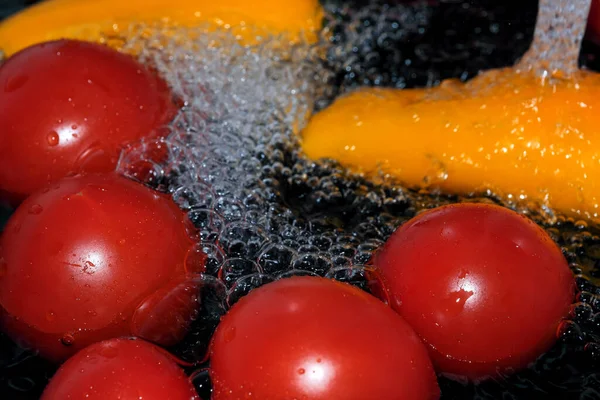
(315, 338)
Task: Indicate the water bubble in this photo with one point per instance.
(68, 340)
(22, 384)
(318, 263)
(53, 139)
(276, 257)
(295, 272)
(235, 268)
(243, 239)
(570, 332)
(35, 209)
(50, 316)
(245, 285)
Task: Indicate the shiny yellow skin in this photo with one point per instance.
(505, 131)
(91, 19)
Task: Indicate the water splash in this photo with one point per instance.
(558, 36)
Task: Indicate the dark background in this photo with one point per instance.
(8, 7)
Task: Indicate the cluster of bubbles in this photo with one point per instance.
(231, 159)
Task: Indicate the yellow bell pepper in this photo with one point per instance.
(505, 131)
(91, 19)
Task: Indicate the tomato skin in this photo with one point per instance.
(482, 285)
(125, 369)
(314, 338)
(79, 258)
(69, 106)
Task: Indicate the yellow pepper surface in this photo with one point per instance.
(91, 19)
(506, 131)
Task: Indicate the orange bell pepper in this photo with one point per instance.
(91, 19)
(506, 131)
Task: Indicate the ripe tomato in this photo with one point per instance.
(126, 369)
(69, 106)
(89, 259)
(482, 285)
(314, 338)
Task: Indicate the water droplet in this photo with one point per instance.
(68, 339)
(53, 139)
(301, 371)
(36, 209)
(50, 316)
(230, 334)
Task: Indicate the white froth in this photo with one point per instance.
(237, 101)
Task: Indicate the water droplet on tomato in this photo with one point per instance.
(230, 334)
(50, 316)
(67, 340)
(53, 139)
(301, 371)
(36, 209)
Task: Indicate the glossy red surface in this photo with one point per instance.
(314, 338)
(121, 369)
(485, 287)
(79, 259)
(70, 106)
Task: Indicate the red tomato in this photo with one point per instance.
(80, 261)
(482, 285)
(314, 338)
(69, 106)
(125, 369)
